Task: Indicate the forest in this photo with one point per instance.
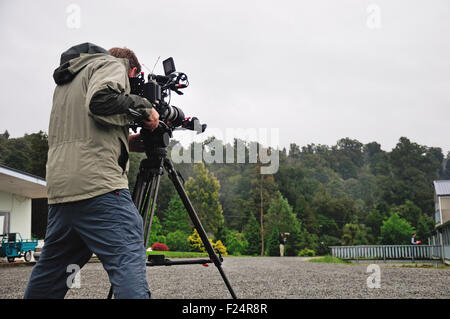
(349, 193)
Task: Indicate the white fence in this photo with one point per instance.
(387, 252)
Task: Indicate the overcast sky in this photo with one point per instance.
(315, 70)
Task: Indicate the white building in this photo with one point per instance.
(17, 188)
(441, 234)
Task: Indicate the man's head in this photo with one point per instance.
(124, 53)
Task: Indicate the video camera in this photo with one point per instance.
(157, 90)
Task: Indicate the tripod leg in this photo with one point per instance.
(146, 202)
(196, 221)
(137, 188)
(152, 196)
(110, 293)
(140, 186)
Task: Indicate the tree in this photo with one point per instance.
(408, 211)
(17, 154)
(374, 220)
(5, 134)
(177, 218)
(133, 169)
(273, 244)
(203, 191)
(296, 241)
(252, 234)
(446, 170)
(38, 153)
(396, 231)
(414, 168)
(280, 216)
(264, 189)
(156, 235)
(425, 224)
(350, 232)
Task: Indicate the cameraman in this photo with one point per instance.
(90, 207)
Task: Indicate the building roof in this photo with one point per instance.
(20, 183)
(442, 187)
(439, 227)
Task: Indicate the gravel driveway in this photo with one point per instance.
(265, 277)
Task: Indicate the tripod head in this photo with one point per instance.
(160, 137)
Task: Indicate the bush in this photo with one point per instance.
(305, 252)
(233, 240)
(236, 244)
(177, 240)
(220, 247)
(159, 247)
(396, 231)
(196, 244)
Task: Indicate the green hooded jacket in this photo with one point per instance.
(88, 130)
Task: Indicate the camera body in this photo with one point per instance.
(158, 88)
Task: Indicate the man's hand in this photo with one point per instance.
(153, 120)
(136, 143)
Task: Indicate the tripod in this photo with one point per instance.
(145, 193)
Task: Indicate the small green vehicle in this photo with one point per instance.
(13, 246)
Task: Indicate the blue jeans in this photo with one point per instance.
(109, 226)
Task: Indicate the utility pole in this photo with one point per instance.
(261, 216)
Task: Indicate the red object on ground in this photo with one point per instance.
(160, 247)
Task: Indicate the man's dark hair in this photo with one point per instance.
(126, 53)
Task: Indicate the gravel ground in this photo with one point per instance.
(266, 277)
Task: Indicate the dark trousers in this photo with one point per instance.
(109, 226)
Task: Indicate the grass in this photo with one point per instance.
(421, 265)
(187, 254)
(329, 260)
(334, 260)
(178, 254)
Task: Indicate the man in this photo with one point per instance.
(282, 243)
(90, 207)
(413, 240)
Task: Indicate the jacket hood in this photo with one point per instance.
(74, 60)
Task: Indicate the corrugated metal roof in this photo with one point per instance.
(442, 187)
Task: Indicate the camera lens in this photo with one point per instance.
(174, 115)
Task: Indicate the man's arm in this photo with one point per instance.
(109, 103)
